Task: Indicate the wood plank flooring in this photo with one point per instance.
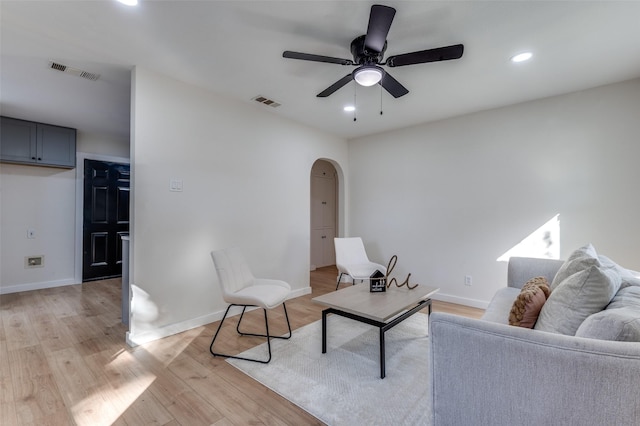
(63, 361)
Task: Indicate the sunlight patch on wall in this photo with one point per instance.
(544, 243)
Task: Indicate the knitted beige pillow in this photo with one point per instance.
(527, 306)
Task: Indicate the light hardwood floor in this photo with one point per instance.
(63, 361)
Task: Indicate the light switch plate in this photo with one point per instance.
(175, 185)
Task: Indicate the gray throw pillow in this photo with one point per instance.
(579, 260)
(628, 297)
(575, 298)
(628, 276)
(621, 325)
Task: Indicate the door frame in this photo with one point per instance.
(80, 157)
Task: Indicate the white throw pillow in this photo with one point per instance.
(576, 297)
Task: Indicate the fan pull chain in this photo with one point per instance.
(355, 108)
(380, 99)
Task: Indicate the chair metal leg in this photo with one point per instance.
(268, 336)
(339, 279)
(353, 280)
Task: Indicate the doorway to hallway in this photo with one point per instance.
(324, 213)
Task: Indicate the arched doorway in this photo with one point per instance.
(324, 213)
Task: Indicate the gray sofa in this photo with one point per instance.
(486, 372)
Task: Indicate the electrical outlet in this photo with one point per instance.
(468, 280)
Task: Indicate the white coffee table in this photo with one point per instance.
(384, 310)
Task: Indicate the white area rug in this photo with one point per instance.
(343, 386)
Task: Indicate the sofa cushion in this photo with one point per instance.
(498, 309)
(626, 297)
(622, 324)
(579, 260)
(526, 308)
(629, 277)
(575, 298)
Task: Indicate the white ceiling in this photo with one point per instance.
(234, 48)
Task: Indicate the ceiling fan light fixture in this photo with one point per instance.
(368, 75)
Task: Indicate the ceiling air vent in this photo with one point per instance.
(266, 101)
(74, 71)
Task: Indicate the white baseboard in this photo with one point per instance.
(169, 330)
(474, 303)
(299, 292)
(37, 286)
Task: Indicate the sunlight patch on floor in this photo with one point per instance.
(109, 402)
(166, 350)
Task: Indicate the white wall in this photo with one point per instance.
(97, 144)
(457, 194)
(43, 199)
(246, 183)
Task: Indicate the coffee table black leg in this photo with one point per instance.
(324, 332)
(382, 368)
(381, 326)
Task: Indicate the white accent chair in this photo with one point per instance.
(352, 260)
(240, 288)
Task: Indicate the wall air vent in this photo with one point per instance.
(74, 71)
(266, 101)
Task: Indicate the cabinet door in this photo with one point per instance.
(323, 202)
(317, 248)
(317, 197)
(328, 247)
(18, 140)
(329, 203)
(56, 146)
(322, 247)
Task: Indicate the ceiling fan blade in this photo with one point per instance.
(335, 86)
(392, 86)
(316, 58)
(380, 20)
(423, 56)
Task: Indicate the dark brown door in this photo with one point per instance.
(106, 218)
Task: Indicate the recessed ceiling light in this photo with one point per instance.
(129, 2)
(349, 108)
(521, 57)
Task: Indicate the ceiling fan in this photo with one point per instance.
(368, 52)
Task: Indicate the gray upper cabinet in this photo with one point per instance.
(26, 142)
